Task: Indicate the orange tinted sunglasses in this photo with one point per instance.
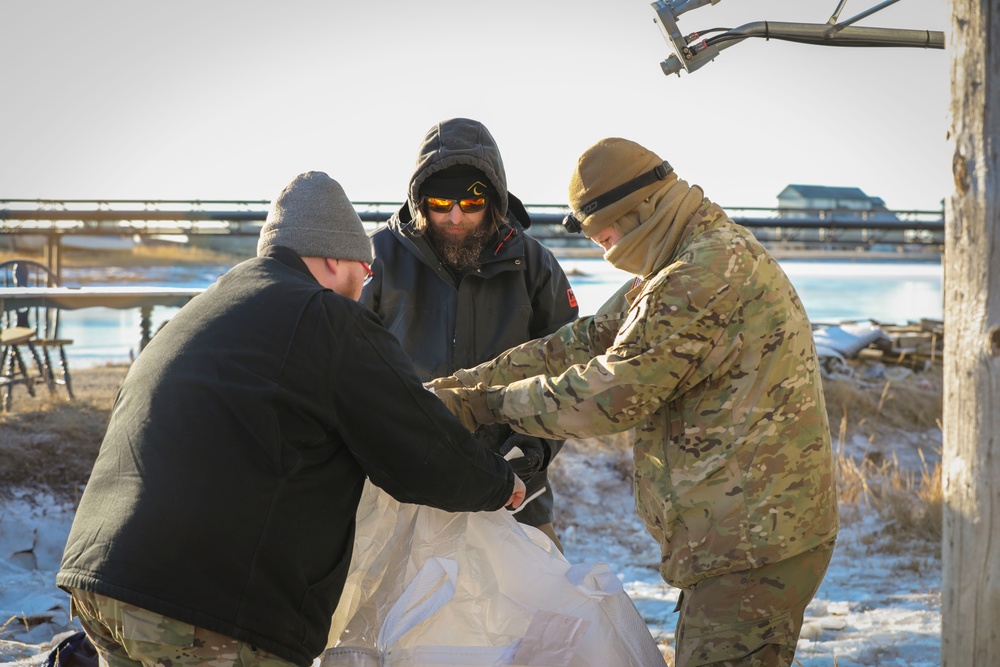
(439, 205)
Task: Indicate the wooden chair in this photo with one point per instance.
(34, 329)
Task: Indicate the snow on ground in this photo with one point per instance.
(33, 611)
(874, 607)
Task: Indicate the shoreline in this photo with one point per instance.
(583, 252)
(166, 255)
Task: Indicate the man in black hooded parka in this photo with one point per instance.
(458, 281)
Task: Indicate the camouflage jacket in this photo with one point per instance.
(711, 362)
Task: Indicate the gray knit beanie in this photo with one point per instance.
(313, 217)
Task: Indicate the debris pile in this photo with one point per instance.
(871, 350)
(917, 345)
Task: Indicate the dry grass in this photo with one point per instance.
(49, 442)
(907, 498)
(909, 502)
(913, 403)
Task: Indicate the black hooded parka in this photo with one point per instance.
(445, 321)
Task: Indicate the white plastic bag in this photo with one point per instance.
(428, 588)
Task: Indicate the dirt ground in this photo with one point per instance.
(50, 442)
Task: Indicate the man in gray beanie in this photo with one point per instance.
(218, 522)
(313, 217)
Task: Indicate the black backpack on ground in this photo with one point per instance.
(74, 651)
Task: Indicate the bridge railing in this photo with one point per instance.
(54, 220)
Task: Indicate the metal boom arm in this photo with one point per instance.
(692, 51)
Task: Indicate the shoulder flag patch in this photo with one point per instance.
(571, 297)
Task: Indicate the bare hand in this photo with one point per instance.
(517, 497)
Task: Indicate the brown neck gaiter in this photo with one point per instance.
(657, 227)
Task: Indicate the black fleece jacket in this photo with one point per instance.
(225, 491)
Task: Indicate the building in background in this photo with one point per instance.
(836, 203)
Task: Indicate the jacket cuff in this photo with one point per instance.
(494, 401)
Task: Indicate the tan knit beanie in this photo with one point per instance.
(603, 167)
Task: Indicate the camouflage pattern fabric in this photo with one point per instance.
(711, 362)
(750, 618)
(128, 636)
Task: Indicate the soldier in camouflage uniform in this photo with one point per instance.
(708, 359)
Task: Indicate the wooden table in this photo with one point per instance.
(73, 298)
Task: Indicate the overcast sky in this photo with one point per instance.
(230, 99)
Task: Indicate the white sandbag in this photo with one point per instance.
(428, 588)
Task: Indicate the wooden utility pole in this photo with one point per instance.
(970, 618)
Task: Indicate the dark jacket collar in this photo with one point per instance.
(288, 257)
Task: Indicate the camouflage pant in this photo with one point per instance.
(750, 618)
(127, 636)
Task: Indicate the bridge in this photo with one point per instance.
(209, 222)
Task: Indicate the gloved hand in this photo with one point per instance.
(525, 453)
(472, 404)
(461, 378)
(449, 382)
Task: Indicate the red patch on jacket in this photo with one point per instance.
(571, 297)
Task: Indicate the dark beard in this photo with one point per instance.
(460, 256)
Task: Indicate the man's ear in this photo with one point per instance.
(331, 265)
